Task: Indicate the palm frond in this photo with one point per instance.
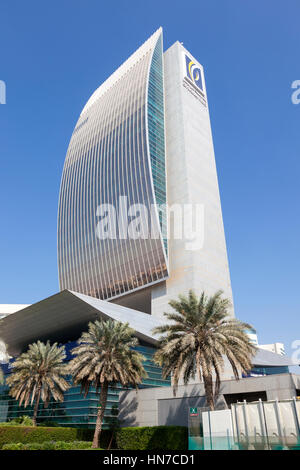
(105, 353)
(42, 368)
(199, 335)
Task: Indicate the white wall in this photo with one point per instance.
(191, 178)
(277, 348)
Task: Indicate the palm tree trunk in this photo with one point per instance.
(100, 414)
(209, 392)
(111, 440)
(198, 363)
(36, 405)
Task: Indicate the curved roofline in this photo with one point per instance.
(117, 75)
(63, 316)
(67, 313)
(148, 143)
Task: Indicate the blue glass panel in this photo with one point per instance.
(156, 132)
(77, 410)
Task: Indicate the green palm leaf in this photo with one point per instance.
(103, 358)
(198, 337)
(39, 374)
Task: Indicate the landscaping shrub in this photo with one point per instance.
(21, 421)
(143, 438)
(50, 445)
(73, 445)
(28, 434)
(24, 434)
(49, 424)
(13, 446)
(84, 434)
(153, 438)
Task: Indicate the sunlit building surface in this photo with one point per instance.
(142, 145)
(143, 139)
(64, 316)
(117, 150)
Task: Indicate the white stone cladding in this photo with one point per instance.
(191, 178)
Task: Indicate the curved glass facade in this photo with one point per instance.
(156, 130)
(116, 158)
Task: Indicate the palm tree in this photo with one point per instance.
(103, 358)
(201, 334)
(38, 374)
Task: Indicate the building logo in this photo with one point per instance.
(193, 412)
(193, 72)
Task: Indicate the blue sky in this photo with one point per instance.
(55, 54)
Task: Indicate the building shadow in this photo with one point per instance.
(127, 410)
(174, 411)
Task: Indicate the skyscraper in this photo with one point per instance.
(139, 162)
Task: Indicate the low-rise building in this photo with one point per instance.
(62, 318)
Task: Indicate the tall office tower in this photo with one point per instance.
(115, 165)
(117, 206)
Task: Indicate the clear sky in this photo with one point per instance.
(55, 54)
